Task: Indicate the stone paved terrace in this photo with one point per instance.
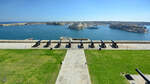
(27, 44)
(74, 69)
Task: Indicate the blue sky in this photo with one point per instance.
(75, 10)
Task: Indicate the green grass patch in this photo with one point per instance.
(106, 66)
(30, 66)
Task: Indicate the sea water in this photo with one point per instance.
(53, 32)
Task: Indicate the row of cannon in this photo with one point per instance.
(81, 45)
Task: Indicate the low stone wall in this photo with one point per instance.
(76, 41)
(27, 44)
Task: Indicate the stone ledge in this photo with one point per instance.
(76, 41)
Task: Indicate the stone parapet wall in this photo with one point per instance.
(76, 41)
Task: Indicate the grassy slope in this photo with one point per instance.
(106, 66)
(30, 66)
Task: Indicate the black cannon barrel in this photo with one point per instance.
(92, 42)
(114, 44)
(59, 42)
(142, 75)
(102, 44)
(102, 41)
(69, 41)
(69, 44)
(81, 44)
(37, 43)
(112, 41)
(48, 43)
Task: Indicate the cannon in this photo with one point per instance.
(142, 75)
(114, 44)
(58, 44)
(48, 44)
(81, 44)
(102, 44)
(69, 44)
(37, 43)
(92, 44)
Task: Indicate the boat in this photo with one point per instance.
(92, 27)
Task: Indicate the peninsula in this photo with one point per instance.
(13, 24)
(129, 28)
(78, 26)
